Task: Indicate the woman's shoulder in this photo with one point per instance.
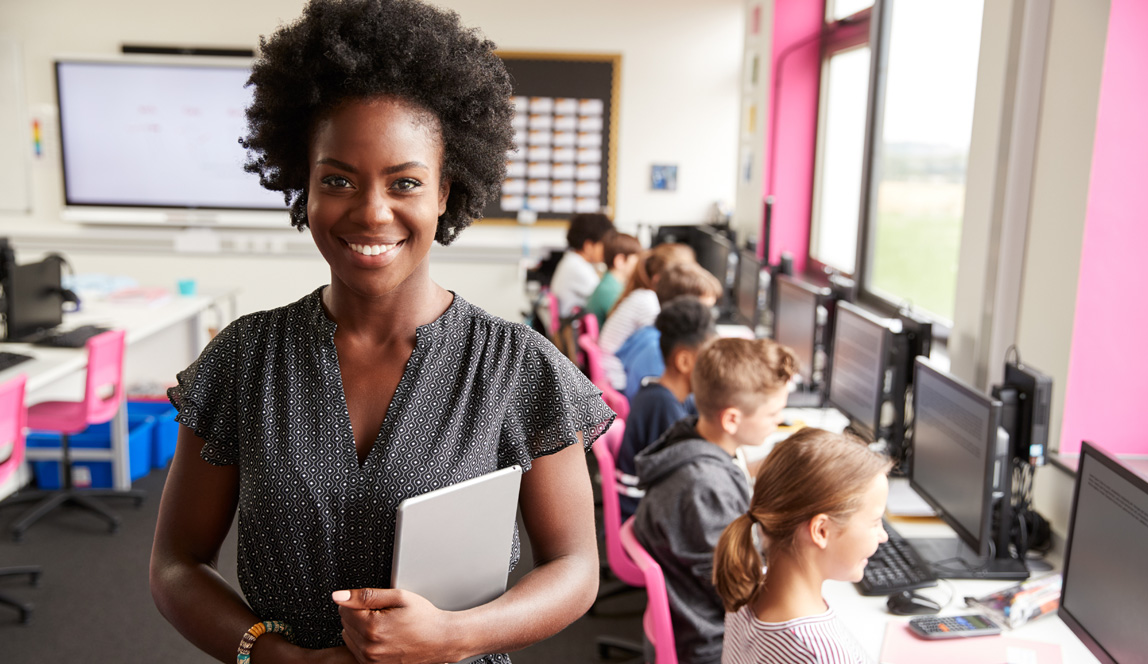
(304, 312)
(475, 323)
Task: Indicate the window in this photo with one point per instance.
(840, 159)
(889, 189)
(921, 157)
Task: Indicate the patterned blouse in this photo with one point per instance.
(478, 394)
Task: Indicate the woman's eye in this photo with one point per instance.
(406, 184)
(336, 181)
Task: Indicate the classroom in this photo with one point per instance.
(973, 166)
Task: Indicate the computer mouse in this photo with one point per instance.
(908, 603)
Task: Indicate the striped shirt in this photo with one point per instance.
(821, 639)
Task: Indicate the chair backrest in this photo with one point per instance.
(614, 399)
(656, 621)
(104, 390)
(13, 418)
(620, 563)
(555, 314)
(590, 327)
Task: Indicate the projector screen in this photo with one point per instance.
(157, 134)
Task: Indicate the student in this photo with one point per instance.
(817, 502)
(683, 326)
(638, 306)
(386, 123)
(696, 483)
(621, 255)
(640, 355)
(575, 278)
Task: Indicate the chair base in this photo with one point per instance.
(23, 608)
(606, 644)
(83, 498)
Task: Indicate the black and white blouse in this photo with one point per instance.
(478, 393)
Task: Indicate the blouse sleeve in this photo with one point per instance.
(205, 396)
(552, 401)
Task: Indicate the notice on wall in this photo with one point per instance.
(555, 163)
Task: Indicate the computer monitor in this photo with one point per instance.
(717, 254)
(1030, 394)
(861, 347)
(34, 299)
(1105, 579)
(960, 467)
(795, 321)
(749, 295)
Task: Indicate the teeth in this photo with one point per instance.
(371, 249)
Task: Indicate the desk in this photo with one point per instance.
(866, 617)
(161, 339)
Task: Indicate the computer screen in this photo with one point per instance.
(34, 298)
(714, 252)
(748, 292)
(795, 321)
(857, 375)
(157, 133)
(1105, 578)
(956, 455)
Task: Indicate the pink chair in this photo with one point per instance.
(590, 327)
(13, 417)
(656, 621)
(614, 399)
(623, 568)
(103, 397)
(555, 314)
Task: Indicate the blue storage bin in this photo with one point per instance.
(140, 430)
(166, 429)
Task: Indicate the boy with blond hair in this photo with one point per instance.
(696, 483)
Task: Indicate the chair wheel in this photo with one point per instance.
(603, 651)
(113, 527)
(139, 502)
(17, 536)
(35, 579)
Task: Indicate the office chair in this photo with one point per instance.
(629, 576)
(613, 398)
(656, 622)
(12, 419)
(590, 327)
(103, 396)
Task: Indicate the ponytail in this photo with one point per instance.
(737, 564)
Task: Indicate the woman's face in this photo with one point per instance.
(374, 194)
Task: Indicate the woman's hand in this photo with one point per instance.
(388, 626)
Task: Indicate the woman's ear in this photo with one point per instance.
(443, 195)
(819, 530)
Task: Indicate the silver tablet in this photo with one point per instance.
(452, 545)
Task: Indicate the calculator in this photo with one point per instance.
(951, 627)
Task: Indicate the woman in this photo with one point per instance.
(385, 123)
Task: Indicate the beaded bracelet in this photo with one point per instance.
(257, 630)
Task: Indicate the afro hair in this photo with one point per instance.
(357, 49)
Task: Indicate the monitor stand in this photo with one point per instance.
(951, 558)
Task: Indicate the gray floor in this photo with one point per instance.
(93, 604)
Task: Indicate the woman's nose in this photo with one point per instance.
(376, 207)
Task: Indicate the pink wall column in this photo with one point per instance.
(1106, 398)
(794, 132)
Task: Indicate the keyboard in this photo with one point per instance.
(8, 360)
(895, 567)
(73, 338)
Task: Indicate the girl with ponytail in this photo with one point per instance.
(816, 509)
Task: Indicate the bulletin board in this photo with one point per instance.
(566, 135)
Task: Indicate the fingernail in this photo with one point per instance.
(341, 595)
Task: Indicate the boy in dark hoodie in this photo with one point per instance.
(696, 481)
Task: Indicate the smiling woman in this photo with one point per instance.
(385, 124)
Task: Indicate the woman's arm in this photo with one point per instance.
(195, 513)
(557, 507)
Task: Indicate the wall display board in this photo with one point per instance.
(16, 137)
(565, 132)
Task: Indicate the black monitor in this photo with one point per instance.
(749, 295)
(34, 299)
(717, 254)
(1105, 580)
(795, 321)
(960, 467)
(861, 347)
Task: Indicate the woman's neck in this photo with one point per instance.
(382, 318)
(792, 590)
